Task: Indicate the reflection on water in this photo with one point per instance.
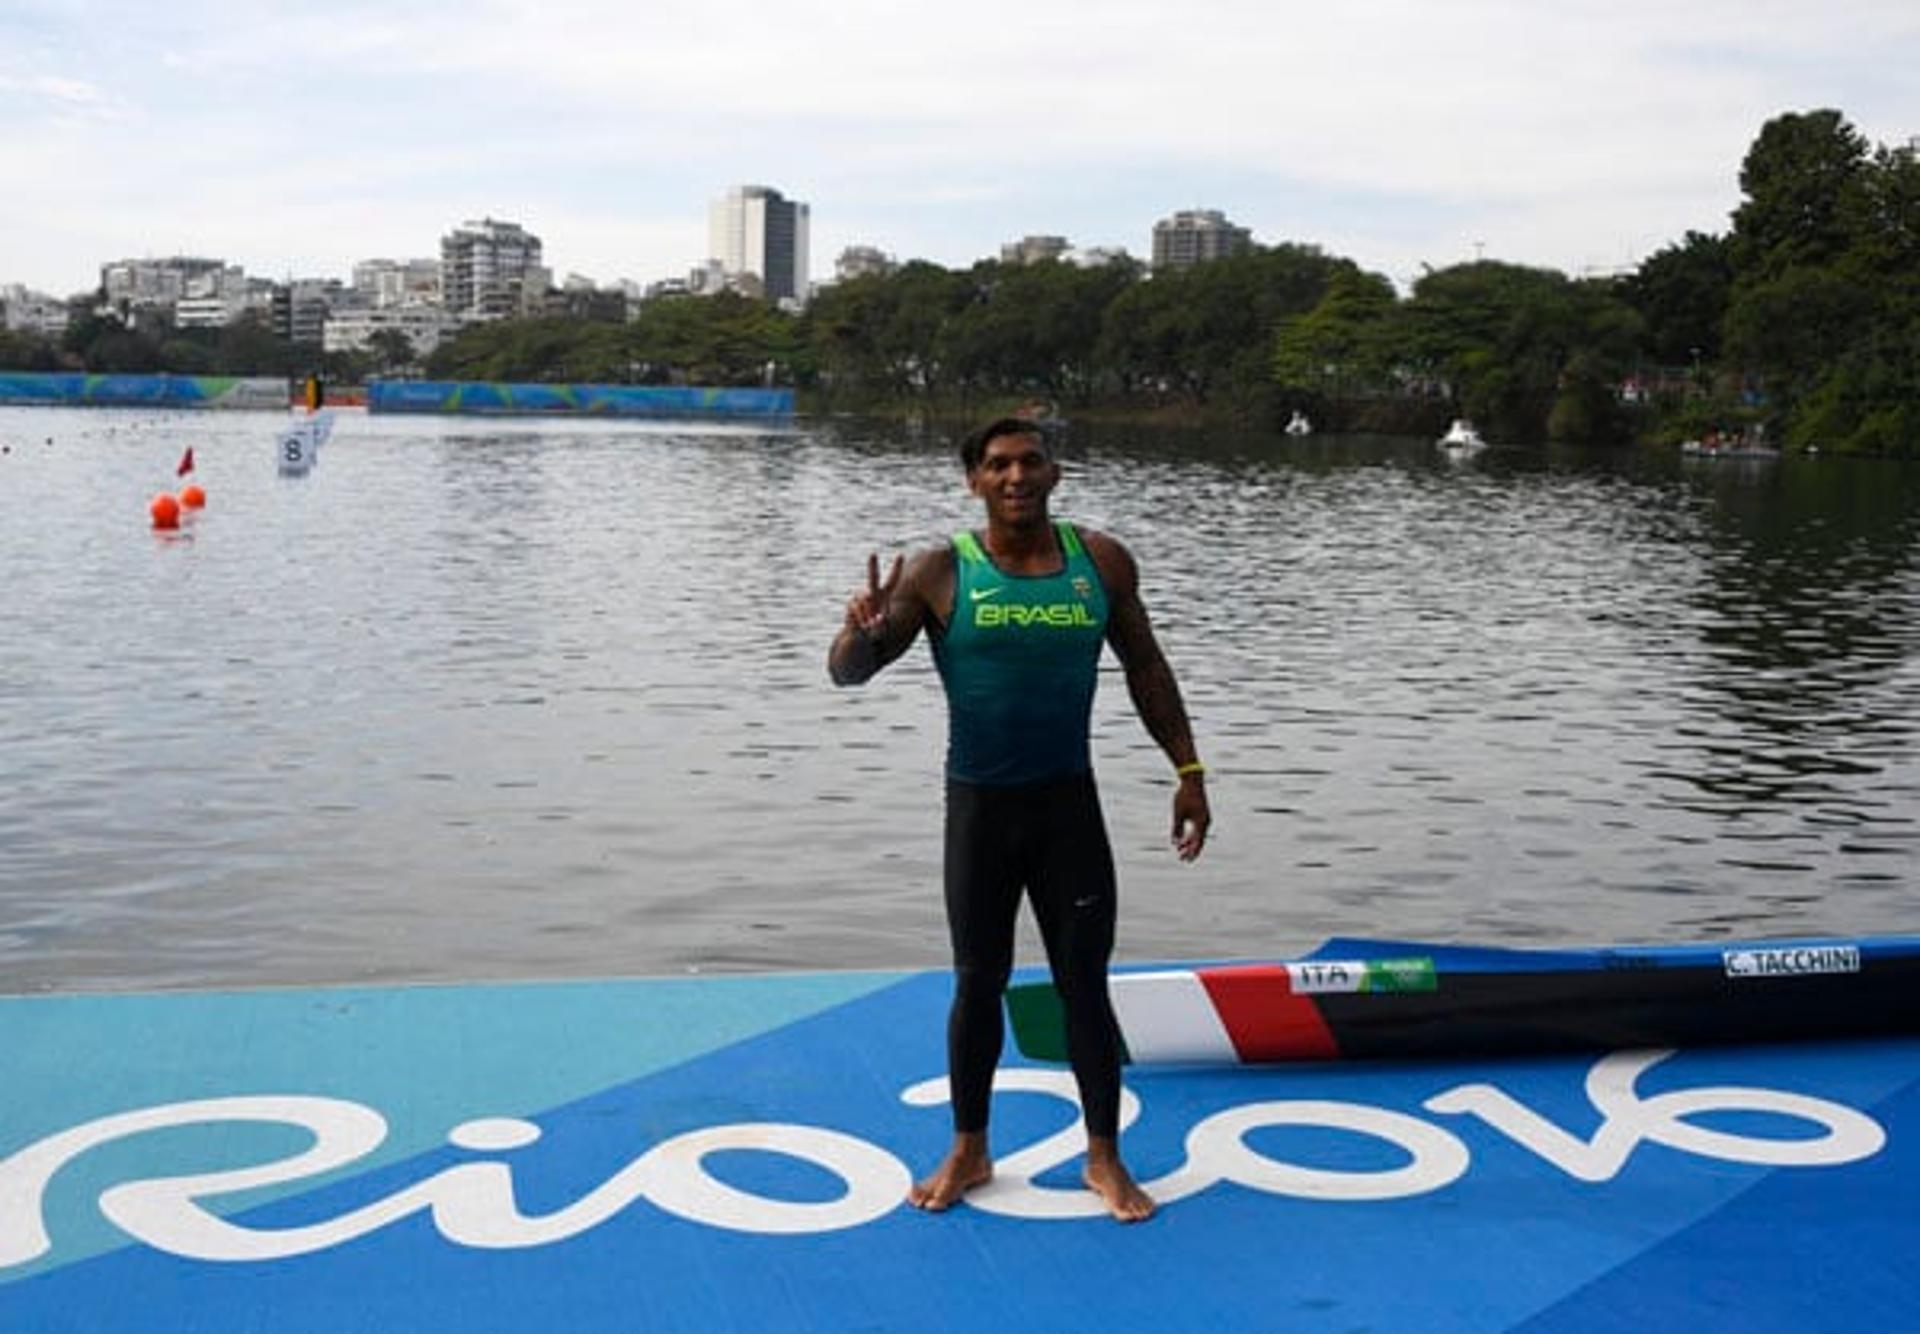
(1806, 636)
(540, 698)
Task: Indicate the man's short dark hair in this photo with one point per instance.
(973, 448)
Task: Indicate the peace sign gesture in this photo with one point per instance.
(867, 610)
(862, 647)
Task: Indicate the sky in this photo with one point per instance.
(297, 138)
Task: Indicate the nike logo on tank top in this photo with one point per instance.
(1020, 660)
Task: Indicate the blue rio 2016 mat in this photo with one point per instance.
(730, 1154)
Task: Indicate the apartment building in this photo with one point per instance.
(491, 269)
(1195, 236)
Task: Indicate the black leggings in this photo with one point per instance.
(1050, 840)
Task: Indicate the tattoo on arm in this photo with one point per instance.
(1156, 695)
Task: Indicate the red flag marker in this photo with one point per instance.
(186, 463)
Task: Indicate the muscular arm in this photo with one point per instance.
(884, 619)
(1156, 695)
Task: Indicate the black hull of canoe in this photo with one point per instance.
(1522, 1013)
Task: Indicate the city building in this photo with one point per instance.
(24, 311)
(398, 282)
(301, 307)
(709, 279)
(1034, 250)
(424, 327)
(580, 298)
(206, 312)
(136, 284)
(491, 270)
(860, 261)
(755, 230)
(213, 298)
(1196, 236)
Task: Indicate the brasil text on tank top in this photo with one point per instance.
(1019, 660)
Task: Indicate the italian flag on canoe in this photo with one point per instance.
(1243, 1013)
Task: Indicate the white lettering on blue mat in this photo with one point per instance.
(473, 1204)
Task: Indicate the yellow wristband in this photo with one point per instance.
(1194, 767)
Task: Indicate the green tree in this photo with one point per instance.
(1824, 318)
(726, 339)
(841, 329)
(1805, 187)
(1789, 330)
(1682, 293)
(1508, 342)
(913, 333)
(1142, 332)
(1205, 334)
(392, 350)
(27, 352)
(124, 351)
(249, 346)
(1033, 328)
(187, 356)
(1340, 347)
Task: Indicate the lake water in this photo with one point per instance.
(544, 699)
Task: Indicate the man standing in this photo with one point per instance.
(1016, 615)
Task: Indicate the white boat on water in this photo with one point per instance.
(1298, 424)
(1738, 447)
(1461, 437)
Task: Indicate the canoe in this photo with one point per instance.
(1361, 999)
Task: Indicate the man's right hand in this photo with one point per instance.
(860, 649)
(867, 610)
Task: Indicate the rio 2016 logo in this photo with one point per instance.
(473, 1203)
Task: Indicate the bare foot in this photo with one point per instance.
(1108, 1178)
(965, 1166)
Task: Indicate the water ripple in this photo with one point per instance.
(547, 698)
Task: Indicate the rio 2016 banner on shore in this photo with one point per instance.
(586, 400)
(76, 389)
(731, 1154)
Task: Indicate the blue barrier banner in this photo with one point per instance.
(79, 389)
(607, 400)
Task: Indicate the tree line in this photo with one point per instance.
(1802, 320)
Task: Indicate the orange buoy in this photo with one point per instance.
(165, 511)
(192, 496)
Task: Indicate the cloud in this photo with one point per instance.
(52, 89)
(1571, 134)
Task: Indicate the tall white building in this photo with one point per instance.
(754, 229)
(491, 269)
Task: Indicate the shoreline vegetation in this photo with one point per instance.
(1799, 326)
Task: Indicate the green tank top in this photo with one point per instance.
(1019, 660)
